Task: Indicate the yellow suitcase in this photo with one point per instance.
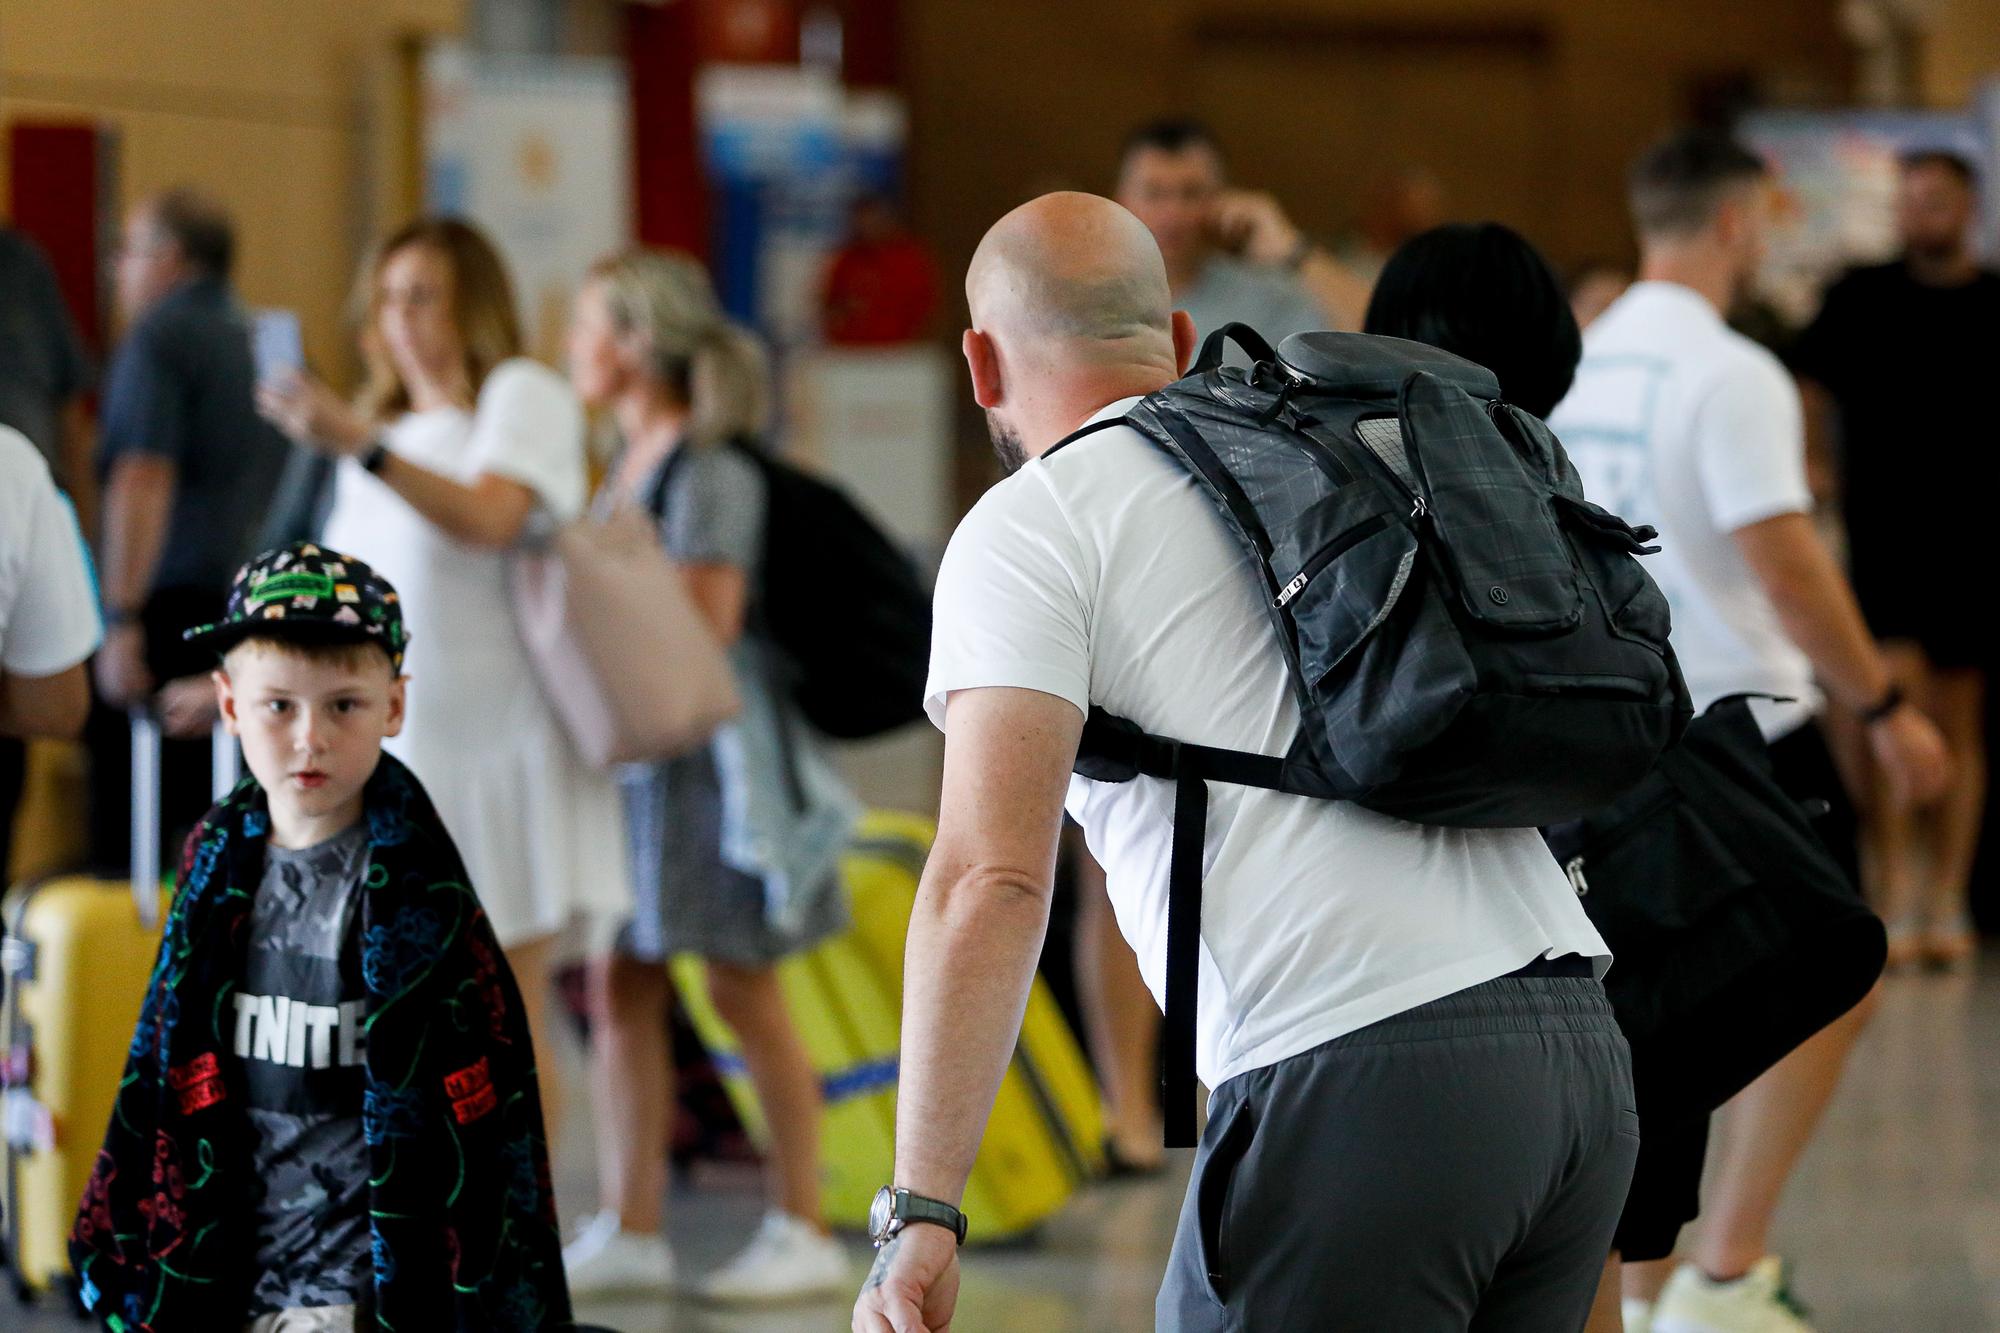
(1046, 1134)
(74, 963)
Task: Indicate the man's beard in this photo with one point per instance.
(1007, 446)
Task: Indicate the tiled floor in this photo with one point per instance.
(1893, 1223)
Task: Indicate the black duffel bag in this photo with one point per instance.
(1735, 933)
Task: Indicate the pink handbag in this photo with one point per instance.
(632, 669)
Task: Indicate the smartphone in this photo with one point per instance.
(276, 344)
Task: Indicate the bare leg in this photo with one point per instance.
(531, 962)
(1605, 1316)
(1645, 1281)
(1121, 1022)
(1895, 834)
(632, 1079)
(1958, 706)
(751, 1001)
(1769, 1125)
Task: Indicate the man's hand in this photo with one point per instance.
(313, 414)
(187, 707)
(1254, 225)
(122, 675)
(913, 1287)
(1912, 756)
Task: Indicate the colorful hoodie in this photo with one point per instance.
(463, 1217)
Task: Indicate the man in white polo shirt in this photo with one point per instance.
(1422, 1110)
(1678, 421)
(48, 609)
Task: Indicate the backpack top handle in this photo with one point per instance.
(1215, 346)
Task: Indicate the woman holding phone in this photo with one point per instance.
(455, 442)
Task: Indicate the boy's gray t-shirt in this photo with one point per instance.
(298, 1032)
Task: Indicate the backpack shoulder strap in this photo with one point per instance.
(1076, 435)
(1115, 750)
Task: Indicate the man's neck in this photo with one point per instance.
(1070, 406)
(1952, 268)
(293, 830)
(1707, 275)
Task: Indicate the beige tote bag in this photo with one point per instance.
(632, 669)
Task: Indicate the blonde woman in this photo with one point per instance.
(456, 441)
(733, 848)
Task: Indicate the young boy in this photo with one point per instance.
(329, 1118)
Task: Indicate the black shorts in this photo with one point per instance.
(1666, 1181)
(1913, 605)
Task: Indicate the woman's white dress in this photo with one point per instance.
(542, 834)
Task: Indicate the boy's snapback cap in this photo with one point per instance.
(308, 594)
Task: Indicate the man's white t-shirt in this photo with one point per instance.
(48, 602)
(1679, 421)
(1101, 575)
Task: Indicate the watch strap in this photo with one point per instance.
(913, 1208)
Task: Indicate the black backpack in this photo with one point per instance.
(1471, 641)
(844, 604)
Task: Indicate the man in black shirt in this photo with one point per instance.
(188, 468)
(1897, 359)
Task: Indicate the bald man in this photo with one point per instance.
(1417, 1123)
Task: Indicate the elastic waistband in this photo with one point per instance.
(1504, 1005)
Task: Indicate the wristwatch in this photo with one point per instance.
(374, 456)
(895, 1209)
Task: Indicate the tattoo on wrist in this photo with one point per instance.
(883, 1258)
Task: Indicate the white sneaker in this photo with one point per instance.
(1757, 1302)
(787, 1260)
(1637, 1315)
(604, 1260)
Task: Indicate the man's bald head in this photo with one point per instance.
(1075, 269)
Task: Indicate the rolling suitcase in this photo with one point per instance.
(73, 969)
(1045, 1137)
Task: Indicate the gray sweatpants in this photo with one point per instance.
(1457, 1167)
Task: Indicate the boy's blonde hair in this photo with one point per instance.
(354, 656)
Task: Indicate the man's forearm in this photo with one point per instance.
(137, 502)
(1816, 607)
(974, 940)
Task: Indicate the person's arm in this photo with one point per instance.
(1817, 610)
(52, 626)
(975, 934)
(50, 707)
(1816, 607)
(721, 593)
(138, 501)
(490, 511)
(1256, 222)
(1822, 417)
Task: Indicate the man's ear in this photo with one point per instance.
(398, 700)
(982, 358)
(225, 701)
(1186, 341)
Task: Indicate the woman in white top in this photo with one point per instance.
(456, 441)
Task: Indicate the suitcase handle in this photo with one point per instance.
(146, 817)
(225, 767)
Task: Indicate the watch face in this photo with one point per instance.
(879, 1213)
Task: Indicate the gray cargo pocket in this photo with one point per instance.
(1212, 1189)
(1346, 591)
